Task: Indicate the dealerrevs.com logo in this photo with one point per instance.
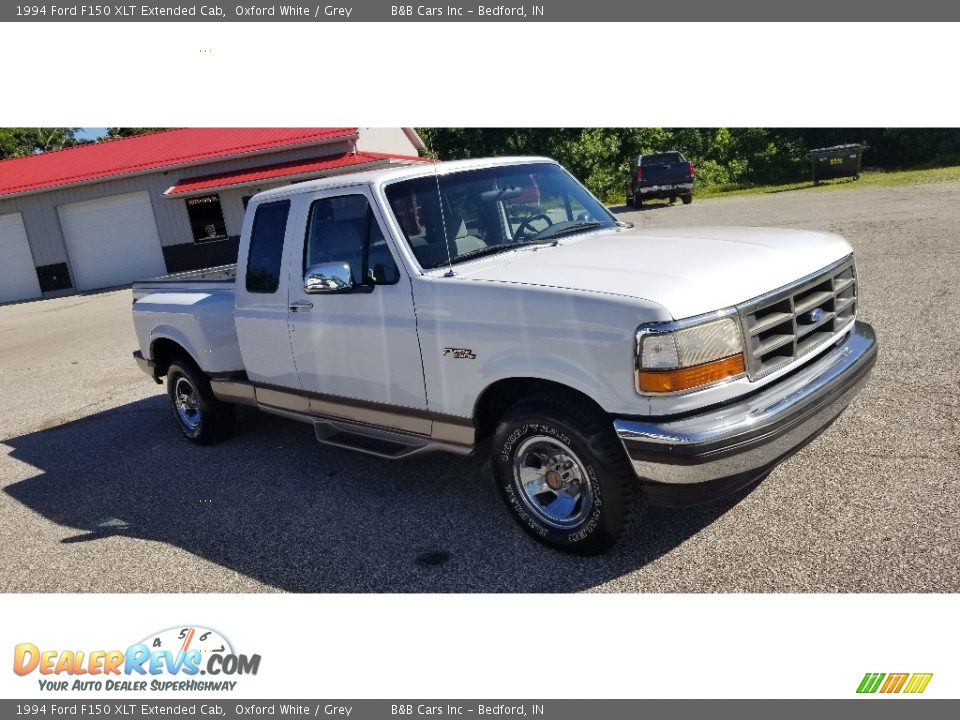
(892, 683)
(173, 659)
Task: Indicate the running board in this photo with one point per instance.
(378, 442)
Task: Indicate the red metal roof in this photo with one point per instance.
(269, 172)
(153, 151)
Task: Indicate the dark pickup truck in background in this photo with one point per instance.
(661, 175)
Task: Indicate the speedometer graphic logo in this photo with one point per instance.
(184, 639)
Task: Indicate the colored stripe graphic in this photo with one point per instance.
(918, 683)
(894, 682)
(870, 682)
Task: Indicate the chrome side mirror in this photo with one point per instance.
(328, 277)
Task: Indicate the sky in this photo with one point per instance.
(91, 133)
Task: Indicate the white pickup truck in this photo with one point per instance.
(496, 306)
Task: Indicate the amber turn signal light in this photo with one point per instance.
(660, 381)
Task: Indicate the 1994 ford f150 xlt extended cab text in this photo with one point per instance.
(446, 307)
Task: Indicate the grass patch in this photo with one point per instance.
(869, 178)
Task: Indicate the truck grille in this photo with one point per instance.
(799, 319)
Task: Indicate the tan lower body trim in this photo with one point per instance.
(445, 428)
(234, 392)
(459, 432)
(371, 416)
(284, 400)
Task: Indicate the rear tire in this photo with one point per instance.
(564, 475)
(687, 199)
(201, 418)
(637, 201)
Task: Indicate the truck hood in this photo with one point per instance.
(689, 271)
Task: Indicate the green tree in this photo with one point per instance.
(18, 142)
(596, 156)
(603, 158)
(114, 133)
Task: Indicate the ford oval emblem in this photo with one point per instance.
(815, 315)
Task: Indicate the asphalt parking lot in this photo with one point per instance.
(101, 494)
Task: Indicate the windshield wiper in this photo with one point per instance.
(494, 249)
(482, 252)
(568, 229)
(544, 238)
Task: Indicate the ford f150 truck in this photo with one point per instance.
(661, 175)
(421, 308)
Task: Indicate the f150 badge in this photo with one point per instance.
(460, 353)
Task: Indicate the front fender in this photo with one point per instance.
(551, 367)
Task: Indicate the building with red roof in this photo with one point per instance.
(108, 213)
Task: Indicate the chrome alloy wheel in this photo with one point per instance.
(186, 400)
(552, 482)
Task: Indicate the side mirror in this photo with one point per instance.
(328, 277)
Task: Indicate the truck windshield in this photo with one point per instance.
(489, 210)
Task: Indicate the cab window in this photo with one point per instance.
(266, 247)
(344, 229)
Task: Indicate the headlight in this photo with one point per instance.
(689, 358)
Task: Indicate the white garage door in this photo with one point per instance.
(112, 241)
(18, 276)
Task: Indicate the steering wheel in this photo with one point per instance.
(525, 225)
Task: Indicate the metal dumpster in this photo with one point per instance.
(836, 162)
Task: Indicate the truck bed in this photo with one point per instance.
(194, 309)
(208, 279)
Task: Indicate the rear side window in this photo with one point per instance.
(266, 247)
(662, 159)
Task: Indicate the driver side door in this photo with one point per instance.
(355, 345)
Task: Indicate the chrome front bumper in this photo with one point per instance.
(743, 440)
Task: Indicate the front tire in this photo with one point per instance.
(202, 418)
(564, 475)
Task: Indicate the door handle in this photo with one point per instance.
(300, 305)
